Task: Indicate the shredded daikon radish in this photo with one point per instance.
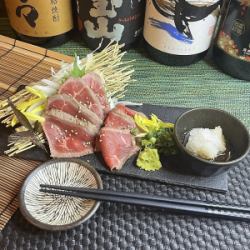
(206, 143)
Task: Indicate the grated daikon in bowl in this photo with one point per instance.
(206, 143)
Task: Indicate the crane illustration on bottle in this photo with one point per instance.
(182, 12)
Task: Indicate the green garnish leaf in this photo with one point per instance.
(76, 71)
(154, 137)
(149, 159)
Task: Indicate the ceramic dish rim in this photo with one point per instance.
(25, 212)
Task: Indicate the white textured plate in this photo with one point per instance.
(59, 212)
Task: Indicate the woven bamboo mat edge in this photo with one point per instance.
(35, 49)
(13, 171)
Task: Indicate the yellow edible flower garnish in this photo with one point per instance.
(146, 124)
(36, 92)
(38, 109)
(26, 104)
(34, 117)
(31, 115)
(14, 121)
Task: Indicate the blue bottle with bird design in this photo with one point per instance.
(179, 32)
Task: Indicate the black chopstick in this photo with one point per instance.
(146, 196)
(175, 205)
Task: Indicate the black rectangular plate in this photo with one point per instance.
(172, 172)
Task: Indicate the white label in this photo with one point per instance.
(103, 13)
(180, 27)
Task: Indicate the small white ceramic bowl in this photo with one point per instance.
(59, 212)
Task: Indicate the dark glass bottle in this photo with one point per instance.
(48, 23)
(232, 49)
(179, 32)
(102, 21)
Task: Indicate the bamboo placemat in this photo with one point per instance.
(12, 174)
(20, 64)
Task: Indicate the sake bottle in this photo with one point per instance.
(46, 22)
(232, 49)
(103, 21)
(179, 32)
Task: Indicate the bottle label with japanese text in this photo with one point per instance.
(180, 27)
(40, 18)
(234, 36)
(117, 20)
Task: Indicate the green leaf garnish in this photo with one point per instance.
(154, 137)
(76, 71)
